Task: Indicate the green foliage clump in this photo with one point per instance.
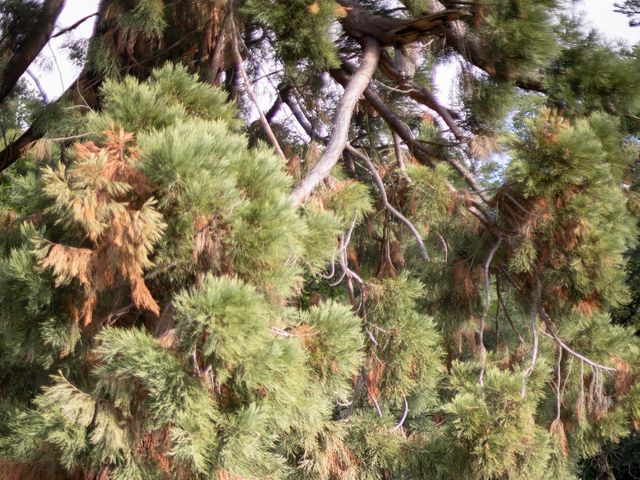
(302, 27)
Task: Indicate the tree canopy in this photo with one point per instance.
(250, 241)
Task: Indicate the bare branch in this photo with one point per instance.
(345, 239)
(485, 310)
(73, 26)
(38, 85)
(385, 201)
(399, 157)
(339, 136)
(533, 327)
(558, 383)
(247, 85)
(404, 415)
(506, 312)
(552, 334)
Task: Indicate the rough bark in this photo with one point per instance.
(360, 23)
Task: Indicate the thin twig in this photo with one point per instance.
(485, 310)
(345, 239)
(558, 382)
(404, 415)
(506, 312)
(356, 392)
(533, 327)
(55, 60)
(247, 84)
(385, 201)
(375, 402)
(444, 247)
(73, 25)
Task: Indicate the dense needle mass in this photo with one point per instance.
(360, 284)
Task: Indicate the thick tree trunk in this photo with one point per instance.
(18, 57)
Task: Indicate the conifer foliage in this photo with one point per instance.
(389, 289)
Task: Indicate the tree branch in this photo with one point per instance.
(385, 201)
(247, 85)
(552, 334)
(74, 25)
(38, 85)
(423, 152)
(342, 120)
(422, 95)
(36, 38)
(485, 310)
(533, 327)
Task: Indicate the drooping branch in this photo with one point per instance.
(342, 120)
(533, 328)
(38, 85)
(17, 58)
(551, 333)
(404, 415)
(485, 309)
(351, 276)
(247, 85)
(385, 201)
(558, 383)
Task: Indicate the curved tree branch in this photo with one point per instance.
(339, 136)
(385, 201)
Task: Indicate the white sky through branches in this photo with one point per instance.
(56, 72)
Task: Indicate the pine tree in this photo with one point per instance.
(373, 287)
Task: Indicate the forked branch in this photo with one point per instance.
(342, 120)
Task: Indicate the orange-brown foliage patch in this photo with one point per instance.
(116, 224)
(374, 374)
(624, 379)
(558, 433)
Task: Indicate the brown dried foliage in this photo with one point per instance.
(558, 433)
(375, 372)
(588, 305)
(466, 279)
(120, 225)
(222, 474)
